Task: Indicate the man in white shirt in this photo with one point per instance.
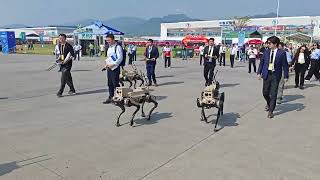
(113, 61)
(252, 53)
(167, 55)
(134, 52)
(130, 53)
(222, 53)
(102, 48)
(77, 48)
(233, 53)
(201, 50)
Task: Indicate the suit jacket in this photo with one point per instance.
(215, 53)
(306, 58)
(280, 64)
(154, 53)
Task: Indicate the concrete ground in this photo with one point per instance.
(75, 138)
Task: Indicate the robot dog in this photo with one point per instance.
(131, 76)
(210, 98)
(128, 97)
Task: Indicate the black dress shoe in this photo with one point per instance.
(59, 95)
(266, 108)
(270, 115)
(301, 87)
(108, 101)
(296, 86)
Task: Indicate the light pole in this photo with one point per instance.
(277, 19)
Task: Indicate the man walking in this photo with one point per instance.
(113, 61)
(211, 54)
(134, 52)
(201, 49)
(273, 62)
(252, 53)
(77, 48)
(167, 56)
(233, 53)
(65, 59)
(151, 55)
(222, 53)
(91, 50)
(315, 64)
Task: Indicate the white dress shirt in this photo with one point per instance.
(114, 56)
(234, 51)
(252, 53)
(271, 65)
(301, 59)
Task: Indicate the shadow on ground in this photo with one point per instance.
(306, 86)
(170, 83)
(7, 168)
(159, 98)
(155, 118)
(166, 76)
(229, 85)
(290, 98)
(287, 107)
(81, 70)
(92, 92)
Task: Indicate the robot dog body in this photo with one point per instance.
(131, 76)
(210, 98)
(128, 97)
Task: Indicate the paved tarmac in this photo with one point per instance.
(43, 137)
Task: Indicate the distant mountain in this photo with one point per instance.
(269, 15)
(140, 27)
(133, 26)
(13, 26)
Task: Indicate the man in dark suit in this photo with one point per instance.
(211, 54)
(272, 64)
(151, 55)
(65, 59)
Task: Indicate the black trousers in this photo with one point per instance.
(223, 58)
(77, 54)
(314, 69)
(270, 90)
(134, 55)
(151, 74)
(91, 52)
(66, 78)
(232, 60)
(113, 80)
(252, 61)
(300, 70)
(208, 72)
(167, 62)
(130, 58)
(201, 58)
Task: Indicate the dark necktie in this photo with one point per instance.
(210, 51)
(272, 54)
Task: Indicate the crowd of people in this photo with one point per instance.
(276, 61)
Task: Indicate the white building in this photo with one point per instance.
(226, 29)
(48, 32)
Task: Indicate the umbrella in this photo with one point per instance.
(255, 41)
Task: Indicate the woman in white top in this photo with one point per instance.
(300, 59)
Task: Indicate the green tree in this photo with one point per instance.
(241, 22)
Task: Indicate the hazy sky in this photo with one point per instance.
(45, 12)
